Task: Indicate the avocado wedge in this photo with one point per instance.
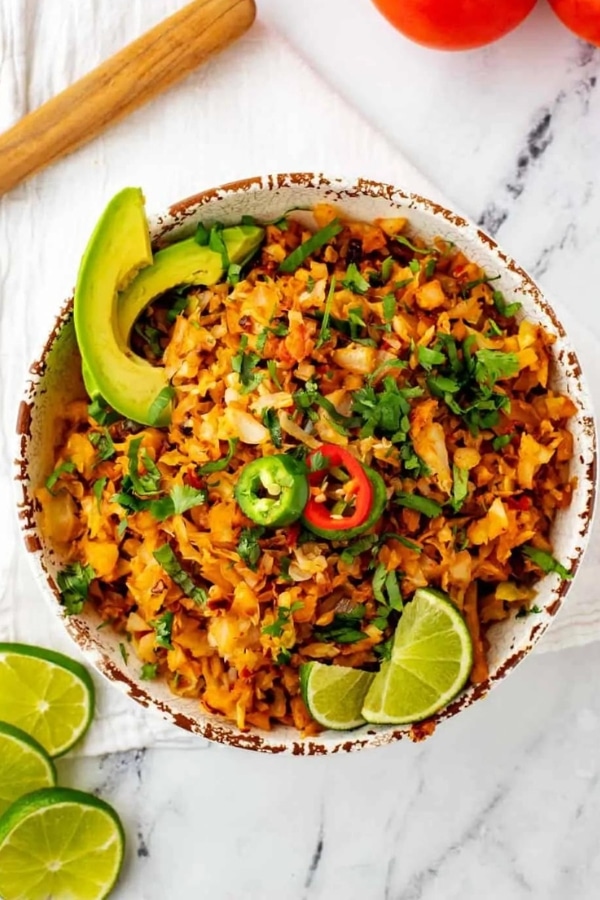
(118, 258)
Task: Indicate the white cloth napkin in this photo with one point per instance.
(257, 108)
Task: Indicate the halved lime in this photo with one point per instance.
(59, 844)
(46, 694)
(334, 695)
(432, 657)
(24, 765)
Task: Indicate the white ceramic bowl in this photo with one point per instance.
(57, 379)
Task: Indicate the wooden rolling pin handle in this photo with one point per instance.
(162, 56)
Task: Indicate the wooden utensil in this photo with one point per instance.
(162, 56)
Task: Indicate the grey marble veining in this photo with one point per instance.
(503, 804)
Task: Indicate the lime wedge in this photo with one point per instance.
(432, 657)
(46, 694)
(25, 766)
(61, 844)
(334, 695)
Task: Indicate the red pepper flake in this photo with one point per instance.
(293, 533)
(192, 479)
(519, 503)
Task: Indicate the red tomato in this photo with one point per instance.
(581, 16)
(455, 24)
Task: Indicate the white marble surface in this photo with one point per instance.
(504, 802)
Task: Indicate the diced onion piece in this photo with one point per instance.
(245, 427)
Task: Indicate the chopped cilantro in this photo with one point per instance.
(343, 629)
(149, 482)
(389, 310)
(181, 498)
(179, 306)
(166, 558)
(216, 243)
(98, 489)
(430, 267)
(386, 589)
(123, 652)
(460, 482)
(492, 365)
(360, 546)
(384, 650)
(244, 364)
(354, 281)
(103, 443)
(325, 332)
(163, 626)
(74, 582)
(160, 403)
(149, 671)
(429, 358)
(545, 561)
(314, 243)
(505, 309)
(501, 441)
(284, 614)
(248, 546)
(386, 269)
(218, 465)
(414, 266)
(101, 412)
(402, 240)
(65, 468)
(272, 367)
(270, 420)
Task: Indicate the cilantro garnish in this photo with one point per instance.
(270, 420)
(501, 441)
(101, 412)
(179, 306)
(460, 481)
(492, 365)
(74, 582)
(325, 332)
(414, 266)
(386, 269)
(166, 558)
(272, 367)
(160, 403)
(163, 626)
(389, 310)
(103, 443)
(65, 468)
(149, 671)
(505, 309)
(181, 498)
(402, 240)
(344, 627)
(314, 243)
(218, 465)
(123, 652)
(429, 358)
(151, 337)
(202, 234)
(545, 561)
(354, 281)
(244, 363)
(98, 489)
(233, 273)
(149, 482)
(284, 614)
(248, 546)
(386, 589)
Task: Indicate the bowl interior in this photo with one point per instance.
(57, 380)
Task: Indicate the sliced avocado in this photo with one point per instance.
(185, 262)
(117, 249)
(116, 252)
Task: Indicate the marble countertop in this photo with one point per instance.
(504, 802)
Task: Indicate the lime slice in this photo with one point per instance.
(334, 695)
(61, 844)
(432, 657)
(46, 694)
(25, 766)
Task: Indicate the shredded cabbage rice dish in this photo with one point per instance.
(355, 415)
